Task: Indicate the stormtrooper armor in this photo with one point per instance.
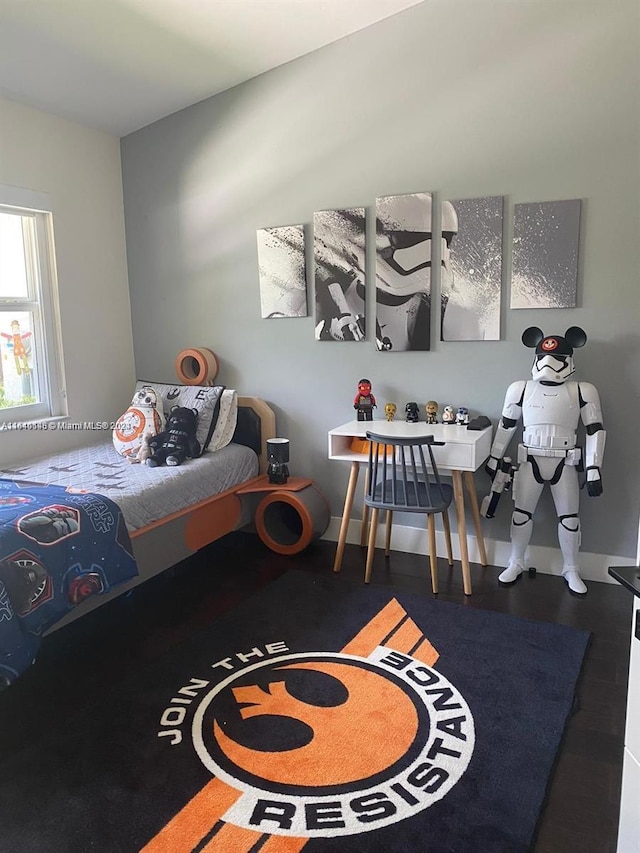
(550, 408)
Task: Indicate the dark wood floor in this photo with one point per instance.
(107, 646)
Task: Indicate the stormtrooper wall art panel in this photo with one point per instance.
(403, 272)
(545, 254)
(338, 253)
(471, 269)
(282, 272)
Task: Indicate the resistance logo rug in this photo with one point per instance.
(318, 744)
(318, 715)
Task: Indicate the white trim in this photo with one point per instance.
(43, 303)
(548, 561)
(29, 200)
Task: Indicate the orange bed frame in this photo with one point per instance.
(165, 542)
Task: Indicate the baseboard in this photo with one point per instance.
(548, 561)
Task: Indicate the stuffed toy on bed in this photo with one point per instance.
(178, 441)
(144, 415)
(144, 452)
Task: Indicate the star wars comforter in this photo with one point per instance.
(57, 548)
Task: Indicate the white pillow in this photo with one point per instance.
(227, 420)
(205, 399)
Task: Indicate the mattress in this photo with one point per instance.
(143, 494)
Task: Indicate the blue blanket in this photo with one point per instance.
(57, 548)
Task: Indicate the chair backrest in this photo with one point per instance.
(402, 478)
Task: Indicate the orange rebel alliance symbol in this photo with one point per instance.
(352, 741)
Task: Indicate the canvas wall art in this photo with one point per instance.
(545, 254)
(282, 272)
(471, 282)
(338, 254)
(403, 272)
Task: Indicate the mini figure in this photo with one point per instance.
(448, 415)
(364, 401)
(462, 416)
(550, 408)
(390, 410)
(432, 412)
(412, 413)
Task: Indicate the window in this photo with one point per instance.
(31, 371)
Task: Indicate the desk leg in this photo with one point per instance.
(365, 512)
(346, 515)
(458, 495)
(470, 483)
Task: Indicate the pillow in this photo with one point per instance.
(227, 419)
(205, 399)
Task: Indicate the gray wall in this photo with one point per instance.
(531, 100)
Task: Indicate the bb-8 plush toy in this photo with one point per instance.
(144, 416)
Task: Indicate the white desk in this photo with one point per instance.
(464, 452)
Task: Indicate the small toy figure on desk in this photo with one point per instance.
(364, 401)
(390, 410)
(431, 409)
(411, 410)
(462, 416)
(448, 415)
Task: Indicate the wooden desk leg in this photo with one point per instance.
(458, 495)
(470, 483)
(365, 512)
(346, 515)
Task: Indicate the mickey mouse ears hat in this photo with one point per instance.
(554, 344)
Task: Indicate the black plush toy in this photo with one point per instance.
(178, 441)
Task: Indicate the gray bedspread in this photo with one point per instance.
(143, 494)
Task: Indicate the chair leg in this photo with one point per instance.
(373, 526)
(433, 559)
(387, 541)
(364, 529)
(447, 536)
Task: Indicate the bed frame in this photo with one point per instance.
(163, 543)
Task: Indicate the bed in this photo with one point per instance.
(141, 521)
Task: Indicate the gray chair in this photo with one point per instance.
(401, 478)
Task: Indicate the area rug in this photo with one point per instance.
(321, 716)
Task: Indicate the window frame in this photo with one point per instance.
(42, 300)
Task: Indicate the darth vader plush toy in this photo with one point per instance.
(178, 441)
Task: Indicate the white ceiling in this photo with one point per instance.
(119, 65)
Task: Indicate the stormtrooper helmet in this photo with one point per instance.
(403, 241)
(553, 362)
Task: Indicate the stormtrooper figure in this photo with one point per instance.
(550, 408)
